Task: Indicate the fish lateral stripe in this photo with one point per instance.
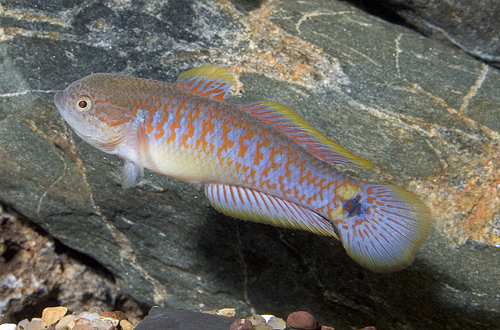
(249, 204)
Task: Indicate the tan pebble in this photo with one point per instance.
(102, 324)
(241, 324)
(126, 325)
(83, 327)
(51, 315)
(210, 312)
(262, 327)
(35, 325)
(276, 323)
(229, 312)
(325, 327)
(256, 319)
(63, 323)
(8, 326)
(109, 314)
(302, 320)
(22, 324)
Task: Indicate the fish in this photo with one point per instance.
(259, 161)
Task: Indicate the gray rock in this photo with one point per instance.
(426, 117)
(468, 24)
(172, 319)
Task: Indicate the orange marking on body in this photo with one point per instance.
(207, 126)
(251, 175)
(312, 198)
(166, 107)
(190, 118)
(258, 156)
(226, 143)
(247, 137)
(176, 123)
(268, 184)
(296, 194)
(283, 186)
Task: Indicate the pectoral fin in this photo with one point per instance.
(248, 204)
(130, 171)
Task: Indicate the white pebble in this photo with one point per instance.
(88, 316)
(8, 326)
(276, 323)
(101, 324)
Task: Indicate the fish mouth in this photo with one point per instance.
(58, 100)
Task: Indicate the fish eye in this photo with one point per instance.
(83, 103)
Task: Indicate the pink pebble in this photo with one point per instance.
(302, 320)
(241, 324)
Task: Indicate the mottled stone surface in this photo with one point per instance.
(470, 25)
(426, 117)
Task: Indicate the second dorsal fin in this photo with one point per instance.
(290, 123)
(207, 80)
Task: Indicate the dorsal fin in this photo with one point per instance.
(207, 80)
(290, 123)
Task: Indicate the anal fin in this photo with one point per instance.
(248, 204)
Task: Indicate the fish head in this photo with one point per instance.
(97, 108)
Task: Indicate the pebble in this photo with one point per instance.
(88, 316)
(83, 327)
(325, 327)
(256, 319)
(276, 323)
(111, 315)
(241, 324)
(8, 326)
(302, 320)
(229, 312)
(51, 315)
(63, 323)
(102, 324)
(23, 323)
(262, 327)
(126, 325)
(35, 325)
(114, 321)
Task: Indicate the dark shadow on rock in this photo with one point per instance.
(280, 271)
(380, 9)
(246, 5)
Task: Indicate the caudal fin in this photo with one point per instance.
(387, 227)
